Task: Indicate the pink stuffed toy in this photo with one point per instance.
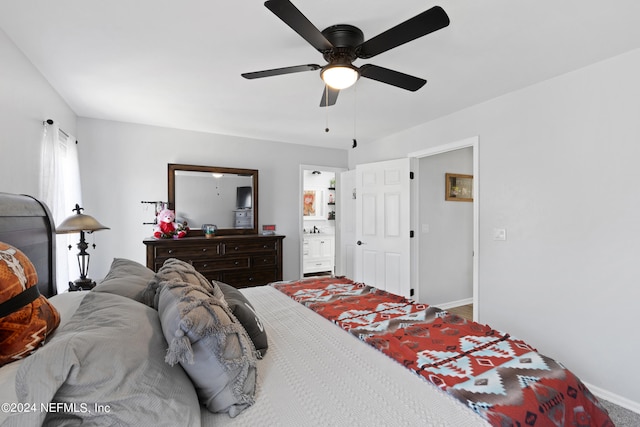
(167, 228)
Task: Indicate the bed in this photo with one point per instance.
(142, 349)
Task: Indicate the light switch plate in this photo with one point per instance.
(499, 234)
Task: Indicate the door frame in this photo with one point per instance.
(337, 241)
(474, 143)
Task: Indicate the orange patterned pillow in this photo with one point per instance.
(26, 317)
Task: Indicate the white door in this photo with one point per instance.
(346, 222)
(383, 248)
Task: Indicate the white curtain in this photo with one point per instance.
(60, 190)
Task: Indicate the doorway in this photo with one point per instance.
(319, 211)
(425, 231)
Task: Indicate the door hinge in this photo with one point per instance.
(411, 234)
(410, 175)
(411, 292)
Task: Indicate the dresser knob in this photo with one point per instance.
(204, 249)
(170, 251)
(236, 248)
(237, 263)
(205, 265)
(265, 247)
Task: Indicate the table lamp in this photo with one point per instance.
(83, 224)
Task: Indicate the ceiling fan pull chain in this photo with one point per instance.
(355, 111)
(326, 102)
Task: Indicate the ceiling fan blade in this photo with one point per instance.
(279, 71)
(329, 96)
(411, 29)
(391, 77)
(291, 16)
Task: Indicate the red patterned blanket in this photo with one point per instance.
(501, 378)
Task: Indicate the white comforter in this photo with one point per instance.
(314, 373)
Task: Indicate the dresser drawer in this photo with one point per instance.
(263, 260)
(250, 278)
(221, 264)
(249, 246)
(187, 252)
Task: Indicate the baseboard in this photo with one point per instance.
(614, 398)
(458, 303)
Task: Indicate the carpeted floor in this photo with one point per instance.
(620, 416)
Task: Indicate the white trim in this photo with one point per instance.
(467, 142)
(474, 143)
(448, 305)
(614, 398)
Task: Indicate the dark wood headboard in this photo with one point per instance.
(26, 224)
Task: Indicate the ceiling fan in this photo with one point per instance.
(342, 44)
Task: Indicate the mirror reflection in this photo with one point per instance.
(209, 195)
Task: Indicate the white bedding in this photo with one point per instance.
(314, 373)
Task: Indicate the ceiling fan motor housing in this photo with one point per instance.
(345, 39)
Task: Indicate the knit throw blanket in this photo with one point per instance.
(503, 379)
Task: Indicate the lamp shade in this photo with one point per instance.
(79, 222)
(340, 76)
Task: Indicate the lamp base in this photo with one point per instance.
(81, 285)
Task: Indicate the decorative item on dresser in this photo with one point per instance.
(239, 260)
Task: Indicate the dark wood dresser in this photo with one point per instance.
(239, 260)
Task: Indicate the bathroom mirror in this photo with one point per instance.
(226, 197)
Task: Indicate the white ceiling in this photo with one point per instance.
(178, 63)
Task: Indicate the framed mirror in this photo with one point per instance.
(226, 197)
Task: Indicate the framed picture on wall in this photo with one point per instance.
(312, 207)
(458, 187)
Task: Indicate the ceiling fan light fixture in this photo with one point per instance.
(340, 76)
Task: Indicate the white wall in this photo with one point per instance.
(123, 164)
(26, 100)
(446, 249)
(558, 167)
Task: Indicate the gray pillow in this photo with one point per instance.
(246, 315)
(212, 347)
(174, 269)
(109, 354)
(127, 278)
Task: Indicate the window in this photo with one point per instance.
(60, 189)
